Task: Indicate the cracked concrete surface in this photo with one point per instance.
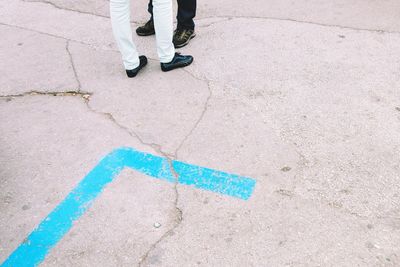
(303, 96)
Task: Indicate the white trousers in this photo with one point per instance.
(163, 24)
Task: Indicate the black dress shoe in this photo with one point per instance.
(147, 29)
(135, 71)
(179, 61)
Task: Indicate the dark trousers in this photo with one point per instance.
(186, 13)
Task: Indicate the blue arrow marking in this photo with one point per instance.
(35, 247)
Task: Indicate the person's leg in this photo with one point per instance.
(185, 28)
(150, 9)
(186, 13)
(163, 24)
(120, 20)
(148, 28)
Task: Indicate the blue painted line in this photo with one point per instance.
(33, 250)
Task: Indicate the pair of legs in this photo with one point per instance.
(163, 24)
(186, 13)
(185, 28)
(120, 20)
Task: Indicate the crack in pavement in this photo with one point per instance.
(178, 212)
(196, 124)
(227, 18)
(73, 66)
(109, 116)
(72, 92)
(84, 95)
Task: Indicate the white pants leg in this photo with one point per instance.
(120, 20)
(163, 25)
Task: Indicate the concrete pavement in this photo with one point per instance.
(302, 96)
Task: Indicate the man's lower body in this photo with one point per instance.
(163, 24)
(185, 29)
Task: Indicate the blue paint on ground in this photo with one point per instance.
(36, 246)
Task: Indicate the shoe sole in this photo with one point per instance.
(145, 34)
(185, 43)
(177, 67)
